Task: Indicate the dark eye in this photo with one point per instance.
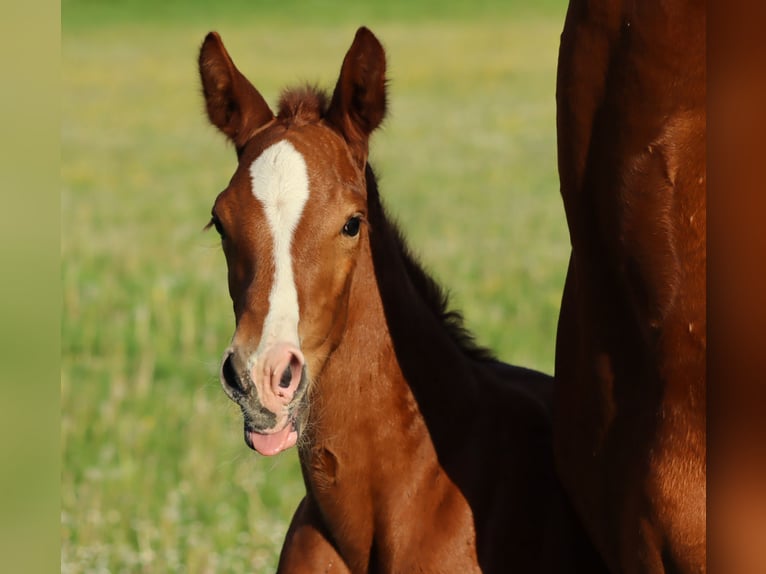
(215, 222)
(352, 226)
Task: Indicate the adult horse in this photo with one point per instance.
(419, 452)
(631, 345)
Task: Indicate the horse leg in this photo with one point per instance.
(307, 546)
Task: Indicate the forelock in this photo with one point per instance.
(302, 105)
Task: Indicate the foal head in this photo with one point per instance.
(292, 222)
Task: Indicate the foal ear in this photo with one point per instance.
(359, 102)
(234, 106)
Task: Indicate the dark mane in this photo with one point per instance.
(432, 294)
(303, 104)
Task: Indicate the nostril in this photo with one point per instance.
(287, 377)
(292, 372)
(230, 375)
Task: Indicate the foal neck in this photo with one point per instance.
(362, 397)
(402, 375)
(369, 461)
(407, 419)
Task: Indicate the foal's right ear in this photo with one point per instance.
(234, 106)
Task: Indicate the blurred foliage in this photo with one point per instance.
(291, 12)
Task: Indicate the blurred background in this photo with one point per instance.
(155, 475)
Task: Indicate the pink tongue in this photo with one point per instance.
(271, 444)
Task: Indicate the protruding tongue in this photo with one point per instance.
(271, 444)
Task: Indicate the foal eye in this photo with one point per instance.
(352, 226)
(215, 222)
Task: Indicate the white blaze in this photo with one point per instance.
(280, 182)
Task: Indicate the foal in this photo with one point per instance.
(420, 452)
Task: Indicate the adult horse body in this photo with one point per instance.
(630, 356)
(420, 453)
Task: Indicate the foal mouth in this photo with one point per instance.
(268, 432)
(271, 443)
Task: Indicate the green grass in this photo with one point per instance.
(155, 474)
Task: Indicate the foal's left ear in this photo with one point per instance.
(359, 102)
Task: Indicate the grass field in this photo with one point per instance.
(155, 474)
